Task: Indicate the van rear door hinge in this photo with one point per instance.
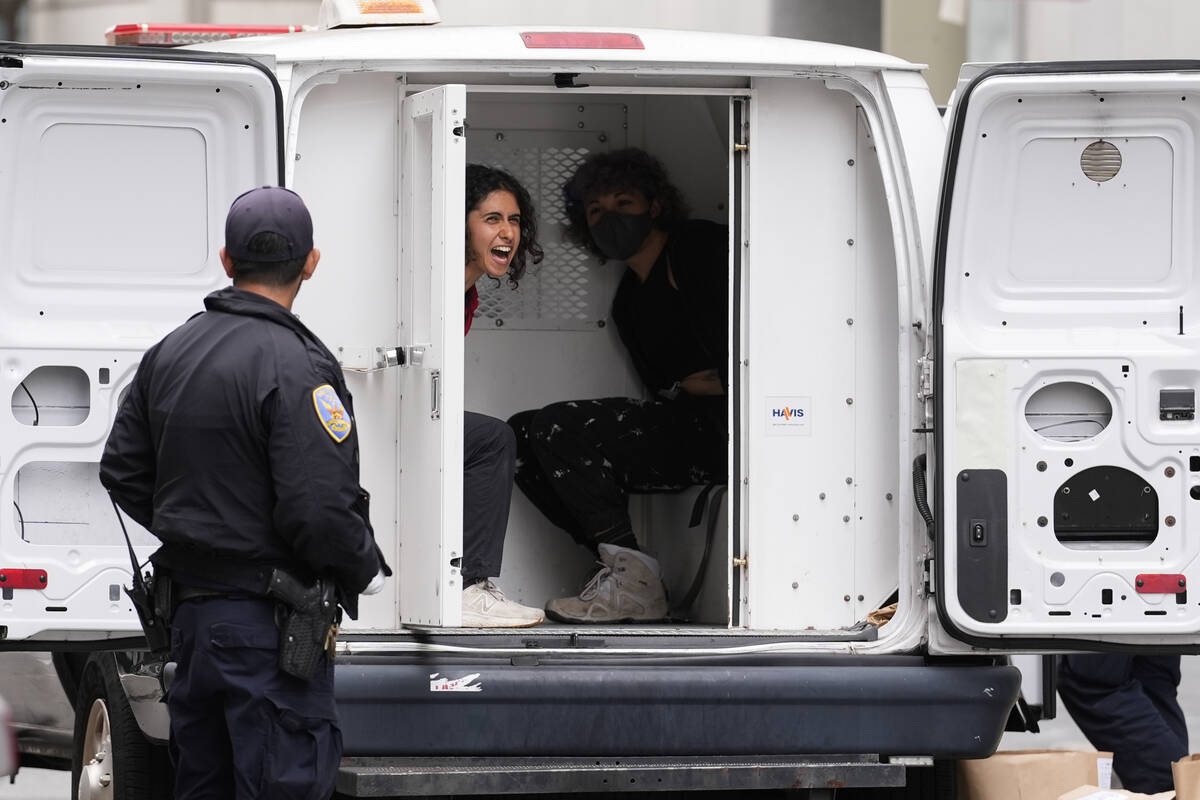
(925, 379)
(927, 576)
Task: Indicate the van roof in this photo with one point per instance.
(441, 46)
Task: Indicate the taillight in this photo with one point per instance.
(174, 35)
(568, 40)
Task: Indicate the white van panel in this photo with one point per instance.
(346, 168)
(1067, 313)
(820, 410)
(115, 176)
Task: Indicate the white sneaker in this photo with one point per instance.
(628, 588)
(485, 606)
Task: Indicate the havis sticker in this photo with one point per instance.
(788, 416)
(463, 684)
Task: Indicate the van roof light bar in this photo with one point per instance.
(363, 13)
(580, 40)
(171, 35)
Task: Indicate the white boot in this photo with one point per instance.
(627, 589)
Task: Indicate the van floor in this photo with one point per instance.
(549, 632)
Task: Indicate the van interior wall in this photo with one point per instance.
(552, 339)
(820, 285)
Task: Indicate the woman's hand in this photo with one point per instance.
(705, 383)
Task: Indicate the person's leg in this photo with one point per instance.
(593, 452)
(1160, 676)
(199, 742)
(533, 482)
(489, 457)
(1114, 711)
(285, 741)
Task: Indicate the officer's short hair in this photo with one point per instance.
(267, 271)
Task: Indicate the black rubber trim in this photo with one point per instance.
(946, 195)
(82, 646)
(19, 50)
(834, 705)
(735, 383)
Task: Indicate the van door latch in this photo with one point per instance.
(391, 357)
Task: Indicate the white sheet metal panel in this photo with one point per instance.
(116, 176)
(432, 166)
(819, 410)
(351, 301)
(1055, 280)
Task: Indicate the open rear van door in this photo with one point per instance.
(116, 170)
(432, 171)
(1068, 358)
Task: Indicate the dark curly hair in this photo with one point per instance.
(620, 170)
(482, 181)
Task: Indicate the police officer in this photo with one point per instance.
(236, 446)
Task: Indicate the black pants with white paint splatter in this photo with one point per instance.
(578, 460)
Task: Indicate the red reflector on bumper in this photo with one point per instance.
(1161, 584)
(22, 579)
(583, 41)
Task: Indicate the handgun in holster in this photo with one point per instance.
(307, 619)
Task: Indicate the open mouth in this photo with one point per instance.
(501, 255)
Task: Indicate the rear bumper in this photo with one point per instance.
(418, 706)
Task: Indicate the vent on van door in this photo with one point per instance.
(1100, 161)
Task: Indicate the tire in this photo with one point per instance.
(111, 758)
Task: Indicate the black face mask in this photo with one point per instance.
(619, 235)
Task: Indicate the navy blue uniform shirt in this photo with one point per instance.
(236, 446)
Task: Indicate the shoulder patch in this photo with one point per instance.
(331, 412)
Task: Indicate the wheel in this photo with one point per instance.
(112, 759)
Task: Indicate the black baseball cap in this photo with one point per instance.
(268, 209)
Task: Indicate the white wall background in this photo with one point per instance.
(1053, 30)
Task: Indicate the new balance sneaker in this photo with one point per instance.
(626, 589)
(485, 606)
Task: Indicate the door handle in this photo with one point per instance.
(435, 380)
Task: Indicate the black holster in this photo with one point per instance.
(307, 618)
(151, 597)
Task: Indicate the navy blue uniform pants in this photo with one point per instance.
(1128, 704)
(240, 728)
(489, 458)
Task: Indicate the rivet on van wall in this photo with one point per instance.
(850, 242)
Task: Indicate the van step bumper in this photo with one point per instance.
(424, 777)
(450, 706)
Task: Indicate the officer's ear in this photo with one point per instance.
(227, 263)
(310, 264)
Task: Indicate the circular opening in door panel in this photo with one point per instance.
(1068, 411)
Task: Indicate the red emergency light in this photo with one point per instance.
(151, 35)
(570, 40)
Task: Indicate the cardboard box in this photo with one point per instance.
(1032, 774)
(1096, 793)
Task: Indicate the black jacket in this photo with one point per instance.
(699, 257)
(220, 451)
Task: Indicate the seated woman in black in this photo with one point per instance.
(577, 460)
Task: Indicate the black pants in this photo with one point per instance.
(1128, 704)
(241, 729)
(489, 458)
(576, 461)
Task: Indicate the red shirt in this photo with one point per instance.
(472, 304)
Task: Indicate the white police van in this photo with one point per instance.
(1015, 303)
